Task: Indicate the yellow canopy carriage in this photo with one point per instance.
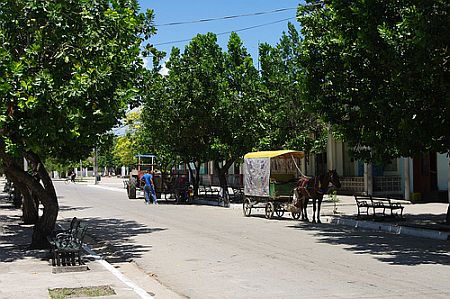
(269, 180)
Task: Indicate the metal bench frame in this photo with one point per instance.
(378, 203)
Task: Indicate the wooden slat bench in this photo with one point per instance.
(208, 191)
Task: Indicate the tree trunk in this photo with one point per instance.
(46, 223)
(17, 198)
(222, 174)
(196, 177)
(30, 204)
(30, 212)
(45, 193)
(448, 190)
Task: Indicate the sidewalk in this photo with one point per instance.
(423, 220)
(28, 273)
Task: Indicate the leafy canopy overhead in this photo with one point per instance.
(68, 70)
(207, 108)
(378, 72)
(289, 123)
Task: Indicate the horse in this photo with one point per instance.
(313, 188)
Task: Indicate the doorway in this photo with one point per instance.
(425, 175)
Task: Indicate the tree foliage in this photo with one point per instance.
(289, 123)
(378, 72)
(68, 70)
(128, 145)
(208, 107)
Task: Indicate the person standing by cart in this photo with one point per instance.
(149, 188)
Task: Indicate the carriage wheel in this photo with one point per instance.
(247, 208)
(131, 192)
(177, 198)
(279, 212)
(269, 210)
(131, 188)
(296, 216)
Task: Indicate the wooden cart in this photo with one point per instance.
(269, 181)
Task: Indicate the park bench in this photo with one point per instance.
(208, 191)
(66, 245)
(381, 204)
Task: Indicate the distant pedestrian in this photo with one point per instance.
(149, 188)
(73, 175)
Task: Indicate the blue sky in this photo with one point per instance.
(168, 11)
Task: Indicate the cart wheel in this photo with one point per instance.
(296, 216)
(247, 208)
(131, 188)
(269, 210)
(279, 212)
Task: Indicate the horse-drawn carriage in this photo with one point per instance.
(273, 181)
(174, 186)
(270, 178)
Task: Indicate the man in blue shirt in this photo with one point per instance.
(149, 188)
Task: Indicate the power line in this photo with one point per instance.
(227, 32)
(227, 17)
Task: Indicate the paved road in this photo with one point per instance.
(212, 252)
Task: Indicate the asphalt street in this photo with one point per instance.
(212, 252)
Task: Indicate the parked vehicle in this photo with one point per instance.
(134, 183)
(269, 181)
(175, 186)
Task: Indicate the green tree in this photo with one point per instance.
(208, 107)
(237, 124)
(290, 124)
(378, 72)
(105, 148)
(68, 70)
(124, 150)
(127, 146)
(177, 108)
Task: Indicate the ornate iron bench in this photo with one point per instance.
(66, 245)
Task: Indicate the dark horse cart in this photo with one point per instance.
(270, 178)
(173, 186)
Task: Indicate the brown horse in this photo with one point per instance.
(314, 188)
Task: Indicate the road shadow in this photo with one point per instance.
(113, 238)
(384, 247)
(110, 238)
(15, 239)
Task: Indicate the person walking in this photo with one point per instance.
(149, 188)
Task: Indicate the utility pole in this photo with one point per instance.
(81, 170)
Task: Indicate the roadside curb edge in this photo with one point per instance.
(389, 228)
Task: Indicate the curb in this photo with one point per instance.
(369, 225)
(390, 228)
(135, 288)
